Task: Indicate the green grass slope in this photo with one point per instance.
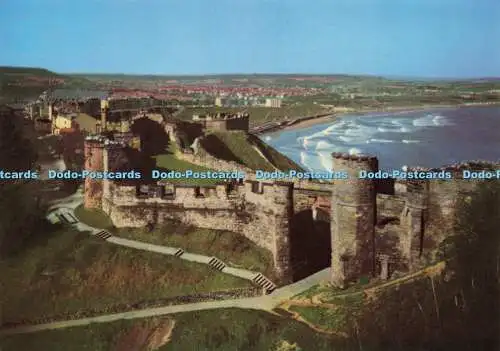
(66, 273)
(240, 147)
(25, 83)
(222, 330)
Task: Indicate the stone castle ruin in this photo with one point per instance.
(223, 121)
(362, 228)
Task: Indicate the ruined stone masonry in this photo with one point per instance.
(353, 219)
(373, 232)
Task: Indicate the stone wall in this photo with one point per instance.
(206, 160)
(262, 211)
(390, 205)
(224, 123)
(262, 215)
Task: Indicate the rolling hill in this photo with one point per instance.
(25, 83)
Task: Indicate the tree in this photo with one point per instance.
(20, 207)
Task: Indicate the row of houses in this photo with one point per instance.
(63, 110)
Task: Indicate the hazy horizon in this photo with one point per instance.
(302, 74)
(449, 39)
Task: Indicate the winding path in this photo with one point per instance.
(265, 303)
(268, 302)
(67, 206)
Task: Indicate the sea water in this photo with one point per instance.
(427, 138)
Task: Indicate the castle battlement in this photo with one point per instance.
(163, 191)
(220, 116)
(268, 212)
(353, 157)
(354, 163)
(223, 121)
(99, 141)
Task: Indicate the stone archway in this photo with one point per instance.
(310, 243)
(154, 139)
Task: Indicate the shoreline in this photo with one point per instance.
(363, 112)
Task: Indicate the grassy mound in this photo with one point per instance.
(232, 248)
(29, 82)
(169, 162)
(94, 217)
(240, 147)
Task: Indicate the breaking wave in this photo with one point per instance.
(324, 145)
(431, 121)
(380, 141)
(311, 147)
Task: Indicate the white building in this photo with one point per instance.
(273, 102)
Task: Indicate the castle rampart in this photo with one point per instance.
(353, 217)
(224, 121)
(263, 211)
(263, 216)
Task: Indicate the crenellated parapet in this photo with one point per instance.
(101, 155)
(355, 161)
(224, 121)
(94, 161)
(262, 210)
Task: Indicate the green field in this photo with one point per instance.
(66, 273)
(169, 161)
(221, 330)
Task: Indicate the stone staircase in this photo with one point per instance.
(66, 217)
(104, 235)
(179, 253)
(264, 282)
(216, 263)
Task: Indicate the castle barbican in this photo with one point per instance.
(373, 228)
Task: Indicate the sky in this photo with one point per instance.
(410, 38)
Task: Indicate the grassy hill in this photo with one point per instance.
(25, 83)
(241, 147)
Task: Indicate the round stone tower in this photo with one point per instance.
(283, 213)
(413, 220)
(353, 219)
(104, 114)
(94, 161)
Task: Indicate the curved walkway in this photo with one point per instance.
(67, 206)
(266, 302)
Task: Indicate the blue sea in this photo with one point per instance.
(427, 138)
